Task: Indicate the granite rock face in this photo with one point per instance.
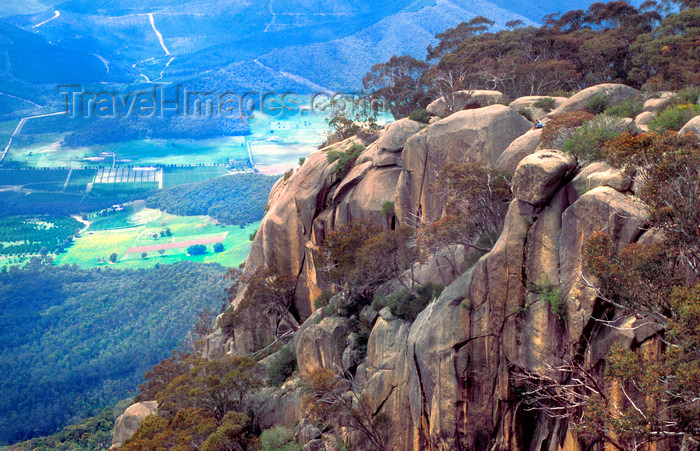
(446, 381)
(613, 93)
(538, 176)
(470, 136)
(461, 100)
(692, 127)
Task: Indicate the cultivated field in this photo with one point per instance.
(180, 175)
(31, 177)
(121, 232)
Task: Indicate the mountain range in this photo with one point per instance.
(234, 45)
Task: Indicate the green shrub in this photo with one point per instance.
(322, 300)
(406, 305)
(302, 160)
(586, 142)
(562, 125)
(362, 328)
(525, 112)
(550, 294)
(388, 208)
(689, 95)
(288, 174)
(673, 118)
(626, 108)
(279, 438)
(379, 303)
(345, 160)
(597, 104)
(420, 115)
(282, 365)
(545, 103)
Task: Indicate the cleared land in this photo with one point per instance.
(175, 244)
(181, 175)
(122, 232)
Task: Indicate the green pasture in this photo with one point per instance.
(181, 175)
(120, 231)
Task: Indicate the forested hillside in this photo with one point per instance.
(74, 341)
(233, 199)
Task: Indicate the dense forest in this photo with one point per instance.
(14, 203)
(74, 341)
(34, 235)
(234, 199)
(89, 434)
(611, 42)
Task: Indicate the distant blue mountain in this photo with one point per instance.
(234, 45)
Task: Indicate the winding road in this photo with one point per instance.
(56, 13)
(274, 18)
(160, 36)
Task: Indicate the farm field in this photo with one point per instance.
(107, 181)
(31, 177)
(121, 232)
(48, 152)
(79, 178)
(181, 175)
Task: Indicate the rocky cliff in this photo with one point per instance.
(446, 380)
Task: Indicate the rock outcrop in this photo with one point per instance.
(529, 102)
(321, 345)
(657, 104)
(129, 421)
(613, 93)
(455, 369)
(461, 100)
(446, 380)
(538, 176)
(643, 119)
(404, 161)
(692, 127)
(517, 150)
(470, 136)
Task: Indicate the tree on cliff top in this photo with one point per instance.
(610, 42)
(402, 82)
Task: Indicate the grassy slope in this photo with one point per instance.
(119, 232)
